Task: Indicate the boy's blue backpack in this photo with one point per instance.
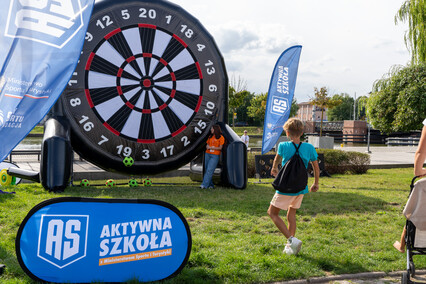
(293, 176)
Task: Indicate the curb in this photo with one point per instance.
(390, 166)
(363, 275)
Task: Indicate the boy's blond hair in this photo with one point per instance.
(294, 127)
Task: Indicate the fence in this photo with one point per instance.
(402, 141)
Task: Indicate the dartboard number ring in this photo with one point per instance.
(148, 83)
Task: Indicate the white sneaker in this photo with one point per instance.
(295, 245)
(287, 249)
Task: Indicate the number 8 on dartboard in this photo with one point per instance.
(149, 84)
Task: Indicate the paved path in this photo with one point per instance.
(387, 157)
(381, 157)
(85, 170)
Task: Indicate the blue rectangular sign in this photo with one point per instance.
(280, 96)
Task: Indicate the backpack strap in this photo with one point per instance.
(297, 147)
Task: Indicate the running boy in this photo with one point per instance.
(292, 201)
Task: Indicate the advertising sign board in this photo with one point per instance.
(84, 240)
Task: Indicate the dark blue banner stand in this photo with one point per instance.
(86, 240)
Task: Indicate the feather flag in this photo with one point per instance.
(40, 44)
(280, 96)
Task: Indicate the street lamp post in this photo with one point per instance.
(368, 138)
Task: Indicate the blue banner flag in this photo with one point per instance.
(280, 96)
(40, 44)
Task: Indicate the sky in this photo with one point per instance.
(347, 44)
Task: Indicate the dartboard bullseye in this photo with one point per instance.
(149, 83)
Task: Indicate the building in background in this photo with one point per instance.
(308, 112)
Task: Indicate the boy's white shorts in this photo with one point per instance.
(284, 202)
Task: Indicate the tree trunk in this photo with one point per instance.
(322, 115)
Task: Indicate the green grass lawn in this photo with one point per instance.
(349, 226)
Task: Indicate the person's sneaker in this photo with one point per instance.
(287, 249)
(202, 187)
(295, 245)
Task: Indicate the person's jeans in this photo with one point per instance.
(210, 162)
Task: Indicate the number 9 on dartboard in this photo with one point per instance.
(149, 84)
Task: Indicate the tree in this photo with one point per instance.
(361, 107)
(236, 95)
(323, 101)
(414, 11)
(236, 99)
(343, 111)
(257, 108)
(398, 100)
(294, 108)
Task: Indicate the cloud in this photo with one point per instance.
(233, 65)
(231, 40)
(265, 38)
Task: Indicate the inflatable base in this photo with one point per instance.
(232, 166)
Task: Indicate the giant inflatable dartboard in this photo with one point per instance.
(149, 84)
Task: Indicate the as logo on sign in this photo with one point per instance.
(51, 22)
(63, 238)
(279, 105)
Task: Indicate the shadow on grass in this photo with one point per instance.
(338, 203)
(11, 262)
(334, 265)
(4, 196)
(254, 202)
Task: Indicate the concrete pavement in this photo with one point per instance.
(380, 157)
(387, 156)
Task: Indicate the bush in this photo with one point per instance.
(335, 162)
(340, 162)
(358, 162)
(251, 164)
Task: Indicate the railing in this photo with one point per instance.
(353, 138)
(329, 126)
(24, 153)
(402, 141)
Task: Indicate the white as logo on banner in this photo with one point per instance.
(51, 22)
(279, 105)
(63, 238)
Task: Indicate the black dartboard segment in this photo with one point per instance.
(148, 85)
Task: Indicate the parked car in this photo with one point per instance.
(241, 123)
